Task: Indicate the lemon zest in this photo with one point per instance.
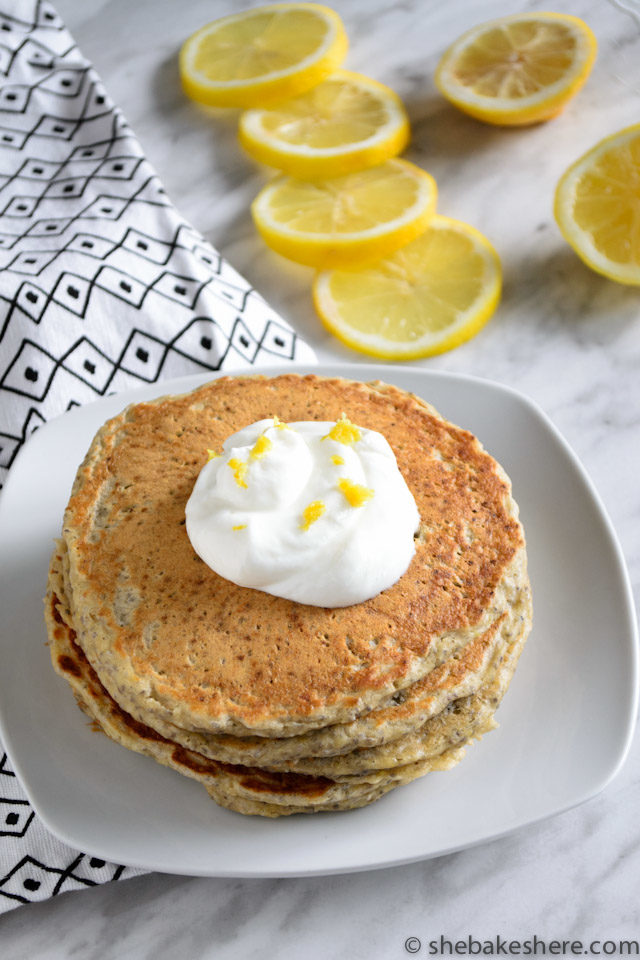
(211, 455)
(344, 432)
(239, 468)
(260, 447)
(240, 526)
(311, 513)
(355, 494)
(339, 461)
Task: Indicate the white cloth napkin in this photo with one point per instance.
(103, 286)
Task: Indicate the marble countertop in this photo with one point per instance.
(566, 337)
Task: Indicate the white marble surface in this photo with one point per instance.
(563, 335)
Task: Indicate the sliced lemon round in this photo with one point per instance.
(346, 220)
(597, 206)
(262, 55)
(518, 69)
(426, 298)
(346, 123)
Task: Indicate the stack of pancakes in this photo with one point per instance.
(278, 707)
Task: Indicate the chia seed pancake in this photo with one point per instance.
(459, 676)
(462, 720)
(246, 789)
(172, 641)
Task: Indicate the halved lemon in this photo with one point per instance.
(518, 69)
(346, 220)
(346, 123)
(597, 206)
(426, 298)
(262, 55)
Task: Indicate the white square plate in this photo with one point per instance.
(565, 725)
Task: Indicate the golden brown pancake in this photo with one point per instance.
(253, 790)
(171, 638)
(232, 785)
(462, 720)
(278, 707)
(406, 711)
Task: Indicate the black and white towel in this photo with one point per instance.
(103, 286)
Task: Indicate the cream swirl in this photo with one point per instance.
(315, 512)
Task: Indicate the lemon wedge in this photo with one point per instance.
(346, 220)
(518, 69)
(261, 55)
(426, 298)
(597, 206)
(346, 123)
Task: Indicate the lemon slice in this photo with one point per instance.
(346, 123)
(429, 297)
(262, 55)
(518, 69)
(597, 206)
(346, 220)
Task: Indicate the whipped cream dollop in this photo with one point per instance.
(316, 512)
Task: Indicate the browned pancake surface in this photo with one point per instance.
(165, 621)
(70, 662)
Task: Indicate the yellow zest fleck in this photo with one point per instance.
(279, 424)
(344, 432)
(239, 468)
(312, 513)
(260, 447)
(211, 455)
(240, 526)
(339, 461)
(355, 493)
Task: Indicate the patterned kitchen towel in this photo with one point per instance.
(103, 286)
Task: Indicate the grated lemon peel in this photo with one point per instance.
(239, 468)
(344, 432)
(355, 494)
(311, 513)
(260, 448)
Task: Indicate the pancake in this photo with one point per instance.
(173, 642)
(277, 707)
(459, 676)
(462, 720)
(243, 788)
